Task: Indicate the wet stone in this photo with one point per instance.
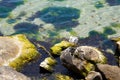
(90, 53)
(16, 51)
(109, 72)
(8, 49)
(8, 73)
(81, 60)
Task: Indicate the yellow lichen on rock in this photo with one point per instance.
(57, 48)
(62, 77)
(50, 61)
(26, 51)
(48, 64)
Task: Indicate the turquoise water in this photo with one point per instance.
(49, 21)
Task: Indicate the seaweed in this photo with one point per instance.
(99, 5)
(60, 17)
(26, 28)
(1, 34)
(109, 31)
(10, 21)
(115, 25)
(6, 6)
(113, 2)
(101, 41)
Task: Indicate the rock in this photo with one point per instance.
(73, 39)
(8, 73)
(81, 59)
(57, 48)
(57, 76)
(62, 77)
(109, 72)
(92, 75)
(16, 51)
(91, 54)
(74, 63)
(48, 64)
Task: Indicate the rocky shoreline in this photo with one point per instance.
(85, 61)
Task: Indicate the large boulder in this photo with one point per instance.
(109, 72)
(81, 60)
(16, 51)
(8, 73)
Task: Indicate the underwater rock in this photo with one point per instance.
(57, 48)
(117, 52)
(48, 64)
(92, 75)
(81, 60)
(109, 72)
(8, 73)
(16, 51)
(57, 76)
(62, 77)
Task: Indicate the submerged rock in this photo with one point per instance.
(62, 77)
(8, 73)
(57, 76)
(117, 53)
(57, 48)
(109, 72)
(16, 51)
(81, 60)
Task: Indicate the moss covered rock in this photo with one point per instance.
(82, 59)
(48, 64)
(57, 76)
(57, 48)
(16, 51)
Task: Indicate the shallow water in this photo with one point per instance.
(49, 21)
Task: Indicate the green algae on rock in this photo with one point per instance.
(16, 51)
(62, 77)
(82, 59)
(48, 64)
(99, 5)
(57, 48)
(57, 76)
